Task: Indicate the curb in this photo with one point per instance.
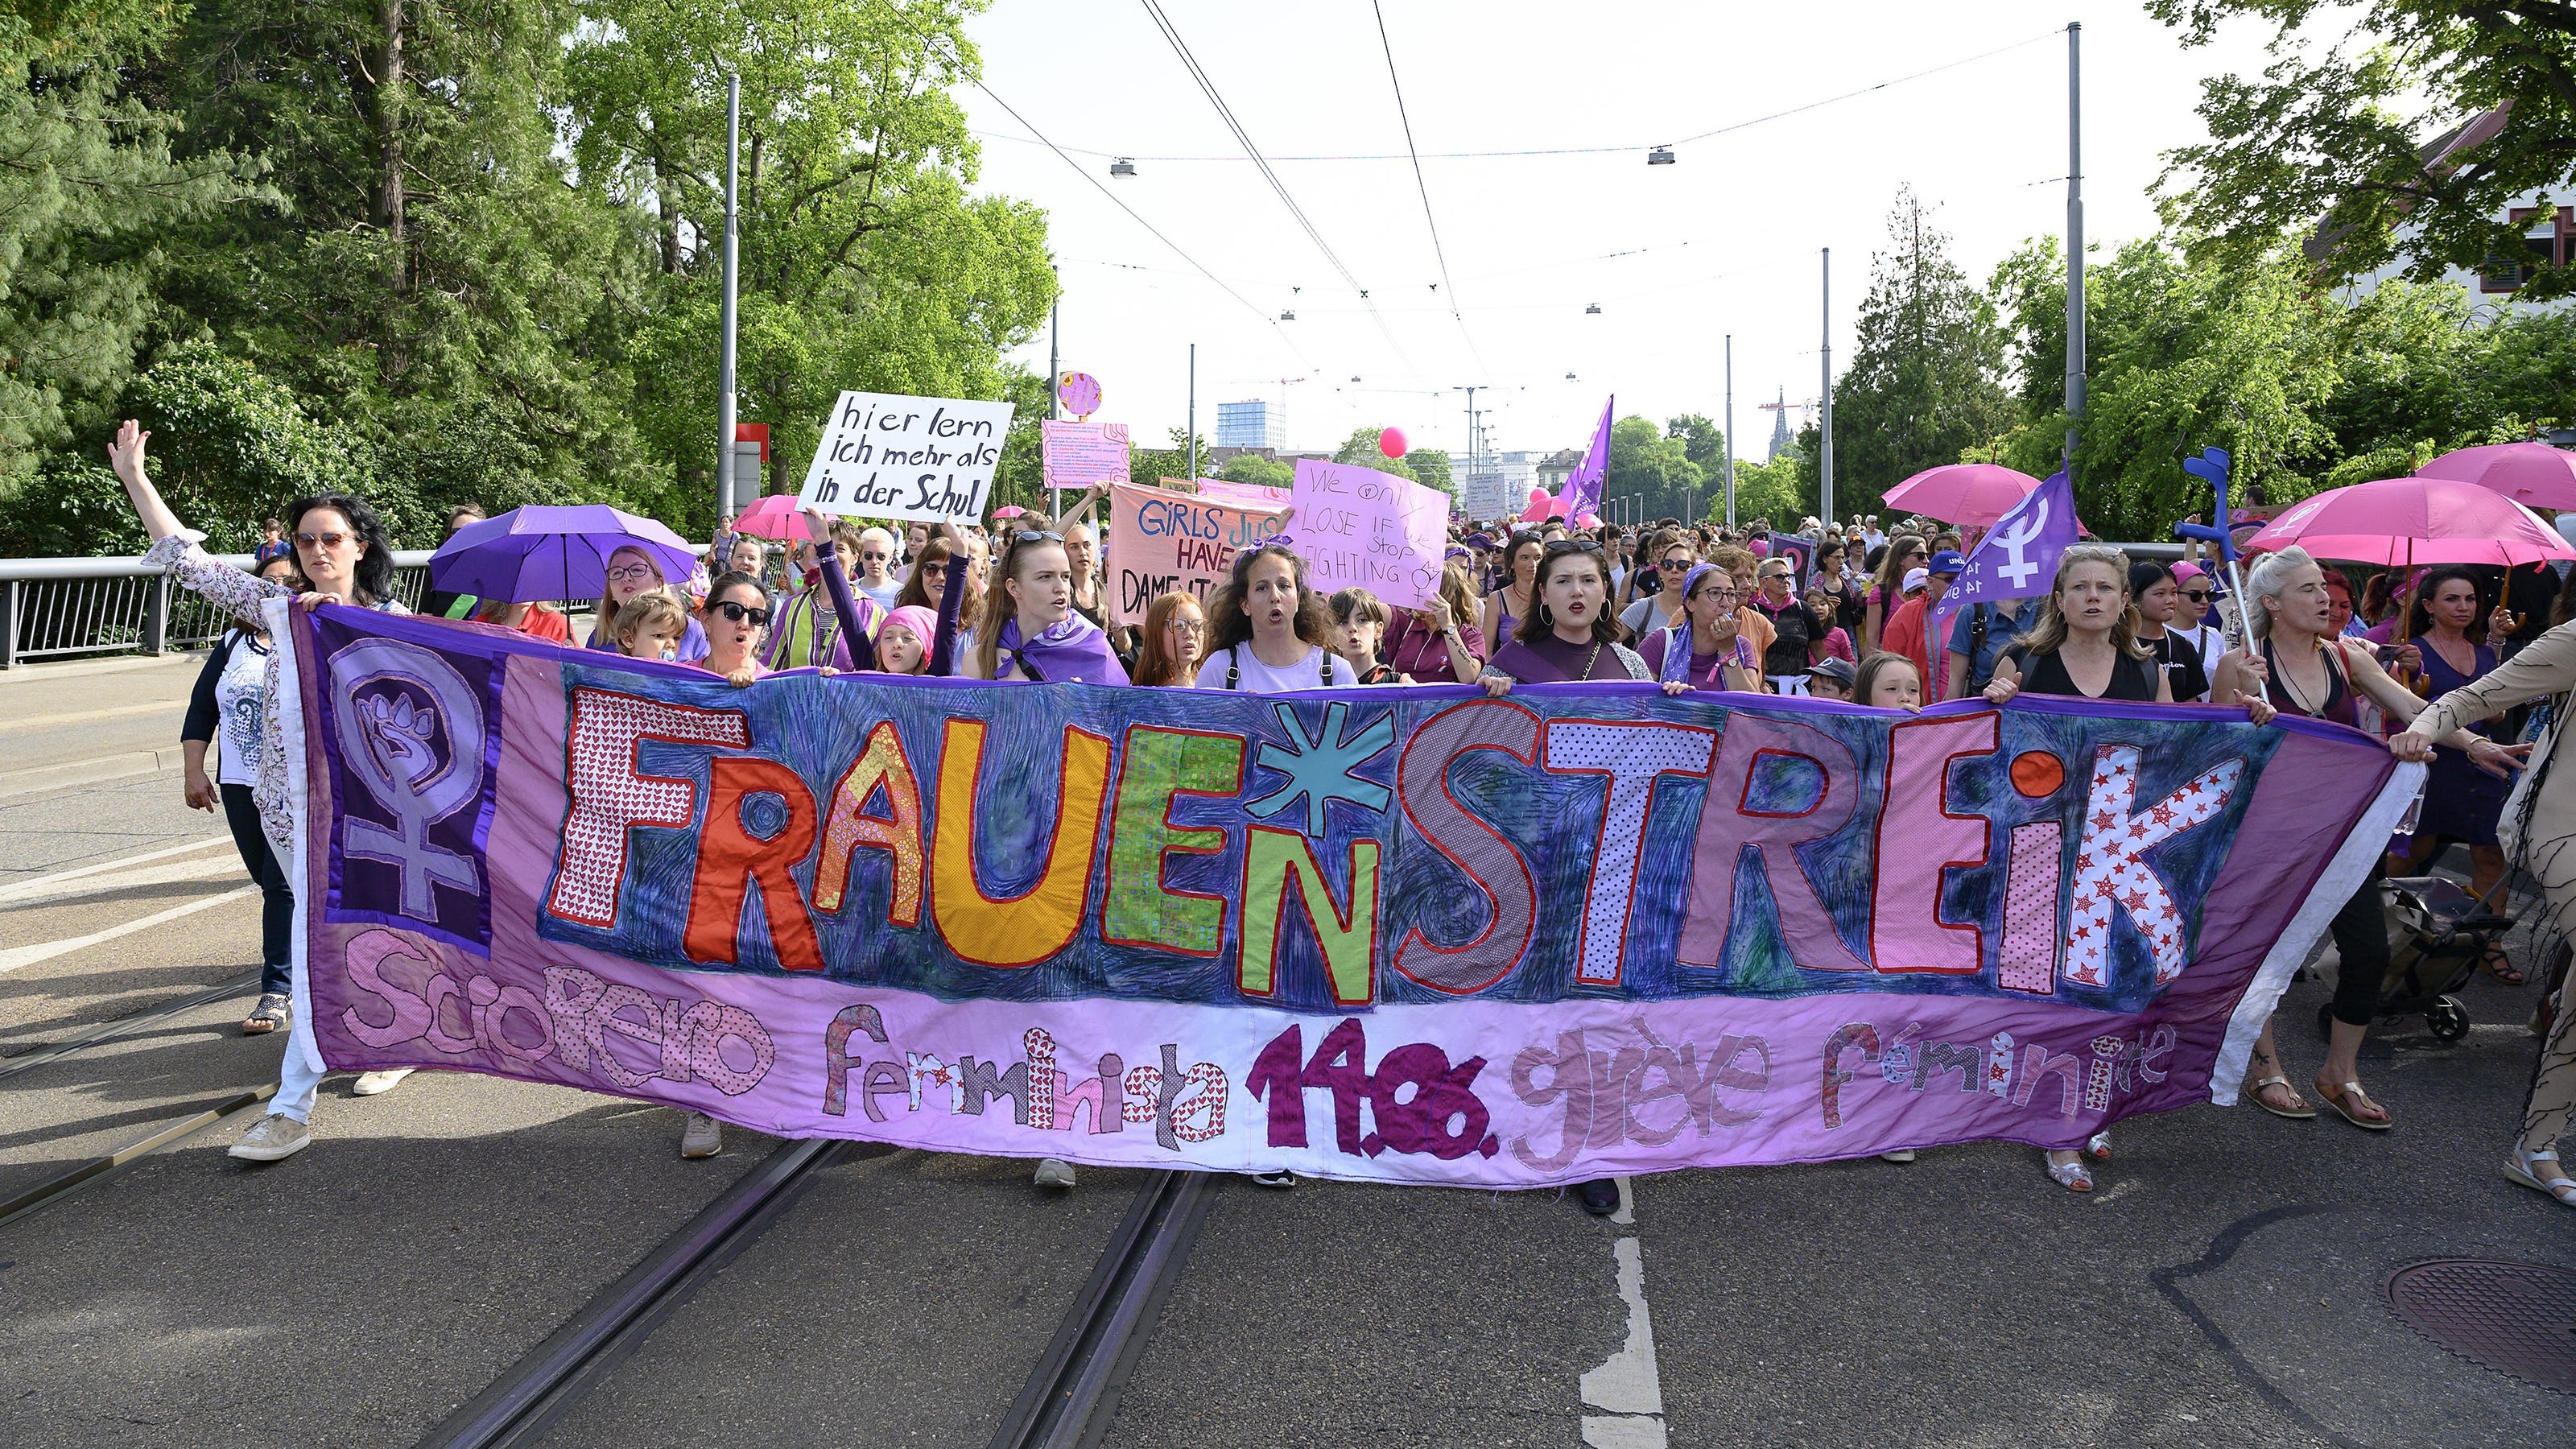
(72, 774)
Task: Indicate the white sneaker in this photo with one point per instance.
(271, 1138)
(1902, 1154)
(374, 1083)
(701, 1136)
(1054, 1172)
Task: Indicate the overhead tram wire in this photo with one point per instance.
(1225, 113)
(1423, 187)
(2055, 34)
(1262, 312)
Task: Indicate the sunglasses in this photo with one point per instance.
(323, 540)
(873, 555)
(1036, 535)
(2197, 596)
(739, 612)
(935, 570)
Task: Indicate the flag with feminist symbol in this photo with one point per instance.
(2017, 559)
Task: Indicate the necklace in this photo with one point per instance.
(1588, 660)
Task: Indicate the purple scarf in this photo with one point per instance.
(1070, 651)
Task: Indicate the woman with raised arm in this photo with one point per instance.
(2317, 673)
(1570, 636)
(1440, 643)
(340, 549)
(1041, 639)
(2540, 835)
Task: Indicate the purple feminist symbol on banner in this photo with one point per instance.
(390, 701)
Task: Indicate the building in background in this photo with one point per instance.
(1254, 424)
(2548, 227)
(1519, 470)
(1780, 426)
(1555, 468)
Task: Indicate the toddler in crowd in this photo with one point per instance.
(1359, 621)
(651, 627)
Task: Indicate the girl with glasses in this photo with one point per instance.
(341, 551)
(632, 574)
(1703, 648)
(1174, 643)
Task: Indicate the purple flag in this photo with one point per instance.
(1583, 486)
(2017, 559)
(1801, 554)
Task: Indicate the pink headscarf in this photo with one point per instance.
(920, 622)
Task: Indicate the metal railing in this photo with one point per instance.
(53, 608)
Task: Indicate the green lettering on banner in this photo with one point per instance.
(1160, 766)
(1347, 938)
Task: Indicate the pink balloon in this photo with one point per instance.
(1538, 498)
(1390, 441)
(1587, 520)
(1555, 507)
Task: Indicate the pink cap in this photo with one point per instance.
(2188, 570)
(922, 622)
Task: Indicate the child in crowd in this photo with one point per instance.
(1831, 678)
(1359, 621)
(903, 640)
(651, 626)
(1889, 681)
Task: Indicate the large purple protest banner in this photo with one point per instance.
(1398, 934)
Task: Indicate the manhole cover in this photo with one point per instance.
(2515, 1318)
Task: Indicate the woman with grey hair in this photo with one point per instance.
(2317, 673)
(2539, 828)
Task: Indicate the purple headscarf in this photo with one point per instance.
(1677, 636)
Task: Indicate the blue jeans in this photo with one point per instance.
(277, 899)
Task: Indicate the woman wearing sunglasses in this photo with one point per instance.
(1674, 559)
(737, 612)
(1041, 639)
(340, 549)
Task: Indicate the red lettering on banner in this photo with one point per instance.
(1930, 840)
(1727, 830)
(1491, 865)
(731, 859)
(607, 795)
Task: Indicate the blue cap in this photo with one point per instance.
(1947, 561)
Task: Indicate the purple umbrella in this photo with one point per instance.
(538, 553)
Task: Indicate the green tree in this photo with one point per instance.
(1148, 465)
(1926, 375)
(1762, 490)
(88, 187)
(1431, 467)
(1256, 469)
(1703, 442)
(2334, 140)
(1646, 462)
(1360, 450)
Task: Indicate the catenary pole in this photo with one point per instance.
(2074, 238)
(1728, 435)
(725, 497)
(1825, 426)
(1194, 410)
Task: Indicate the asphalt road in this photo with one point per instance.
(2221, 1288)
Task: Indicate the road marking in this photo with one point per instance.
(92, 716)
(18, 890)
(1627, 1386)
(17, 956)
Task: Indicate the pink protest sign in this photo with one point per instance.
(1360, 528)
(1161, 540)
(1083, 455)
(1244, 495)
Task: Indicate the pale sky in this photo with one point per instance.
(1725, 241)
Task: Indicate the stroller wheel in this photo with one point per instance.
(2325, 1022)
(2448, 1018)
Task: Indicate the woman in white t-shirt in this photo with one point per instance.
(1272, 632)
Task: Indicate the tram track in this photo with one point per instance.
(106, 1033)
(1066, 1402)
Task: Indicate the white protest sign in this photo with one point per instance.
(930, 458)
(1360, 528)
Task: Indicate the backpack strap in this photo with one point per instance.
(1233, 674)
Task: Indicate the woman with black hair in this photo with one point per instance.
(225, 720)
(1570, 635)
(341, 550)
(2449, 625)
(1509, 603)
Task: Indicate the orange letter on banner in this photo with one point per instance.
(846, 827)
(1025, 929)
(729, 856)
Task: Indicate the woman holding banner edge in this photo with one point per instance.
(341, 549)
(1562, 641)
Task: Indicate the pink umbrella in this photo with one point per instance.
(2404, 521)
(1013, 511)
(1963, 493)
(2534, 475)
(774, 516)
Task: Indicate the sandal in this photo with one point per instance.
(268, 1016)
(2342, 1099)
(2098, 1146)
(2300, 1112)
(2524, 1167)
(2072, 1176)
(2500, 966)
